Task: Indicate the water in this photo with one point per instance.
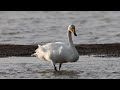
(85, 68)
(37, 27)
(40, 27)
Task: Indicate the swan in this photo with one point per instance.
(59, 52)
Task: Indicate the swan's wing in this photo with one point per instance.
(57, 51)
(54, 46)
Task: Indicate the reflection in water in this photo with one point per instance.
(66, 74)
(63, 74)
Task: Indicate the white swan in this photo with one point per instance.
(59, 52)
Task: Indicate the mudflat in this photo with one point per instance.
(110, 50)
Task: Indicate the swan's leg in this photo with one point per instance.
(55, 67)
(60, 66)
(53, 63)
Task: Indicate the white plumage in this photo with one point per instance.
(59, 52)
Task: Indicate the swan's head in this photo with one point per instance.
(71, 28)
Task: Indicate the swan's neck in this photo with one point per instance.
(70, 39)
(72, 45)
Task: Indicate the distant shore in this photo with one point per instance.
(109, 50)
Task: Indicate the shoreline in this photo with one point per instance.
(102, 50)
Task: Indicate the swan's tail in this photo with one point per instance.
(38, 51)
(35, 54)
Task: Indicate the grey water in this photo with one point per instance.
(37, 27)
(85, 68)
(41, 27)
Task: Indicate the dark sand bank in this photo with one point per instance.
(103, 50)
(111, 50)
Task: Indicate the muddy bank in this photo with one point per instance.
(104, 50)
(111, 50)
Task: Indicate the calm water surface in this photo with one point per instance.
(37, 27)
(85, 68)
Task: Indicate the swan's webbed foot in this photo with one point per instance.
(60, 66)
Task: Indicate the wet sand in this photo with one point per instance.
(103, 50)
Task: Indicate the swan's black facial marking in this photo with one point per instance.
(75, 34)
(71, 28)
